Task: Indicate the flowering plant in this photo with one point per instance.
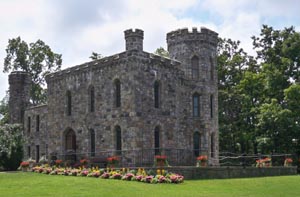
(161, 160)
(84, 161)
(288, 162)
(266, 162)
(202, 158)
(114, 160)
(24, 164)
(58, 162)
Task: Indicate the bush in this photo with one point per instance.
(11, 146)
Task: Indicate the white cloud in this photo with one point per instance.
(75, 28)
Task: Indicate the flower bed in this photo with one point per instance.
(139, 175)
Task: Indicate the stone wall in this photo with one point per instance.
(231, 172)
(137, 116)
(36, 132)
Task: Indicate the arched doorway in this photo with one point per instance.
(70, 145)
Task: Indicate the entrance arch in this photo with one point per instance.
(70, 144)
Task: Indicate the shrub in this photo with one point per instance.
(11, 146)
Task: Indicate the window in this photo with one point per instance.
(212, 69)
(196, 105)
(28, 124)
(195, 67)
(212, 145)
(93, 144)
(37, 123)
(70, 141)
(117, 93)
(92, 99)
(118, 139)
(197, 141)
(156, 94)
(69, 103)
(28, 151)
(156, 140)
(37, 153)
(211, 106)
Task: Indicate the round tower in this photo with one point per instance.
(19, 95)
(197, 52)
(134, 39)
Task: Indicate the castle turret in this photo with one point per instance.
(134, 39)
(196, 50)
(19, 95)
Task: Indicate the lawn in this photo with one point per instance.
(34, 184)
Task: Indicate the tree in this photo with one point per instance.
(234, 128)
(11, 146)
(37, 59)
(96, 56)
(162, 52)
(4, 116)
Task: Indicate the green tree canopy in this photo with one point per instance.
(37, 59)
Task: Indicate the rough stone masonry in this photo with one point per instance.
(134, 104)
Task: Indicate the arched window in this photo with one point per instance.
(37, 123)
(212, 145)
(195, 67)
(197, 143)
(196, 105)
(117, 93)
(92, 99)
(70, 144)
(156, 140)
(212, 69)
(211, 106)
(69, 103)
(93, 142)
(156, 94)
(118, 139)
(28, 124)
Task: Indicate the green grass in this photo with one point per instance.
(33, 184)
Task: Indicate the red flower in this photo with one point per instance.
(289, 160)
(202, 158)
(24, 164)
(113, 159)
(162, 157)
(58, 161)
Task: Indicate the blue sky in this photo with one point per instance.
(75, 28)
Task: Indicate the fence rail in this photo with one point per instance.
(175, 157)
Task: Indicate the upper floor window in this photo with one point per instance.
(117, 93)
(211, 106)
(156, 94)
(212, 69)
(196, 105)
(28, 124)
(195, 67)
(69, 103)
(37, 123)
(92, 99)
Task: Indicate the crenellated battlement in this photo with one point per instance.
(184, 34)
(134, 39)
(134, 33)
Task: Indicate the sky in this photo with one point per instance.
(76, 28)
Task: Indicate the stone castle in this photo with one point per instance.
(133, 104)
